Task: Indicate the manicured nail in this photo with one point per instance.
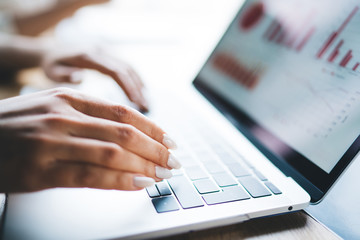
(163, 173)
(143, 182)
(168, 142)
(173, 162)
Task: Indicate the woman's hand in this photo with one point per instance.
(63, 64)
(62, 138)
(66, 68)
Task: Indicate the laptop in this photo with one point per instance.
(267, 127)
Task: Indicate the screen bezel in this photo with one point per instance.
(313, 179)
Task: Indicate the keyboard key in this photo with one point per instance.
(224, 179)
(214, 167)
(238, 169)
(246, 162)
(195, 142)
(254, 187)
(153, 191)
(188, 161)
(216, 146)
(273, 188)
(206, 186)
(163, 188)
(226, 157)
(196, 172)
(185, 192)
(260, 175)
(177, 172)
(229, 194)
(165, 204)
(206, 156)
(200, 150)
(182, 154)
(242, 159)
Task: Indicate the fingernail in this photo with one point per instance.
(144, 107)
(163, 173)
(143, 182)
(173, 162)
(168, 142)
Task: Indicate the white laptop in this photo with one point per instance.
(267, 127)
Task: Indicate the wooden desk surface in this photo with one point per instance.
(297, 225)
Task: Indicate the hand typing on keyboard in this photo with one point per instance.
(62, 138)
(213, 173)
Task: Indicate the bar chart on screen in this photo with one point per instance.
(292, 33)
(340, 46)
(299, 30)
(283, 24)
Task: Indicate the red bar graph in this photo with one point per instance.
(275, 32)
(335, 34)
(282, 34)
(335, 53)
(327, 44)
(227, 64)
(305, 39)
(270, 29)
(346, 59)
(356, 66)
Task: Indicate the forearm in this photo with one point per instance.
(19, 52)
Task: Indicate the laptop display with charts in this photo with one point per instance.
(283, 124)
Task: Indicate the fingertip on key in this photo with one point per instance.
(173, 162)
(169, 142)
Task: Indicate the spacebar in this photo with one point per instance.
(185, 192)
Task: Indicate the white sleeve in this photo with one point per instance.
(7, 22)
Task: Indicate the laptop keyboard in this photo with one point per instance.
(212, 173)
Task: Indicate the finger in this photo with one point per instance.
(128, 137)
(136, 78)
(75, 174)
(106, 154)
(140, 88)
(101, 109)
(132, 91)
(109, 68)
(65, 74)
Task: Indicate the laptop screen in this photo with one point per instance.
(291, 69)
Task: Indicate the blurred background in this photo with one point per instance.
(165, 41)
(160, 38)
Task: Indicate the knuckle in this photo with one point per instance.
(149, 169)
(123, 113)
(86, 177)
(124, 181)
(128, 134)
(54, 121)
(62, 93)
(109, 154)
(155, 133)
(163, 156)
